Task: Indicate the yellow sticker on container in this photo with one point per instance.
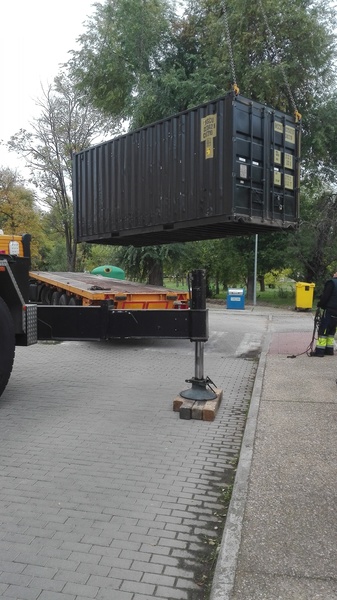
(288, 161)
(278, 126)
(290, 134)
(209, 147)
(289, 182)
(277, 157)
(277, 178)
(208, 127)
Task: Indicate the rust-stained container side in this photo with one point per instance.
(228, 167)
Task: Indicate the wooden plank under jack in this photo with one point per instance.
(204, 410)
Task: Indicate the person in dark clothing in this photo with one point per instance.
(327, 328)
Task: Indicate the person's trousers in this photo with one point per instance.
(326, 334)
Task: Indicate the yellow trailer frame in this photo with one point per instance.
(94, 289)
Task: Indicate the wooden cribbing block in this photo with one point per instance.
(186, 409)
(197, 409)
(177, 402)
(212, 406)
(202, 410)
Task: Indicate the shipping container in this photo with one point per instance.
(228, 167)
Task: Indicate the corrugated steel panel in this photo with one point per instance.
(228, 167)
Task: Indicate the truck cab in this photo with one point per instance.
(18, 319)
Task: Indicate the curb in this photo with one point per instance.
(224, 575)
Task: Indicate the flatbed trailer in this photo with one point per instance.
(133, 312)
(84, 289)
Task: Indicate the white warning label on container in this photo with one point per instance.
(277, 178)
(243, 171)
(289, 182)
(290, 135)
(277, 157)
(288, 161)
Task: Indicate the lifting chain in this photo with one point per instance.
(297, 115)
(235, 86)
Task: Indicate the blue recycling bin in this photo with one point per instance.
(236, 298)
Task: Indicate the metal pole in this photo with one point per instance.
(255, 269)
(199, 302)
(199, 360)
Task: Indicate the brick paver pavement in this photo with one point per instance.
(105, 493)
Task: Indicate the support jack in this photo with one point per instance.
(203, 399)
(199, 390)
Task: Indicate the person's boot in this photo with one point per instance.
(320, 352)
(320, 346)
(329, 351)
(330, 344)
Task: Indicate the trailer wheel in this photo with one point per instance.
(48, 296)
(73, 301)
(7, 344)
(45, 295)
(55, 299)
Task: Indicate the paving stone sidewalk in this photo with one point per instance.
(105, 493)
(280, 535)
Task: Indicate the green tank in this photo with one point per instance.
(109, 271)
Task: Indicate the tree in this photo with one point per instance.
(18, 211)
(281, 37)
(218, 257)
(320, 143)
(95, 255)
(66, 125)
(147, 263)
(139, 60)
(283, 55)
(122, 48)
(313, 249)
(272, 255)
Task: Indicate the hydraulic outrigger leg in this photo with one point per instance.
(199, 390)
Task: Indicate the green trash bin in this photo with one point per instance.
(109, 271)
(304, 295)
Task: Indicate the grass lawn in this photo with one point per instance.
(284, 294)
(278, 296)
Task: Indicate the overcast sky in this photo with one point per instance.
(36, 36)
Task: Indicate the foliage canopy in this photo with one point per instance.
(66, 125)
(141, 61)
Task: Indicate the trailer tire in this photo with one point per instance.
(7, 344)
(73, 301)
(45, 295)
(63, 300)
(55, 298)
